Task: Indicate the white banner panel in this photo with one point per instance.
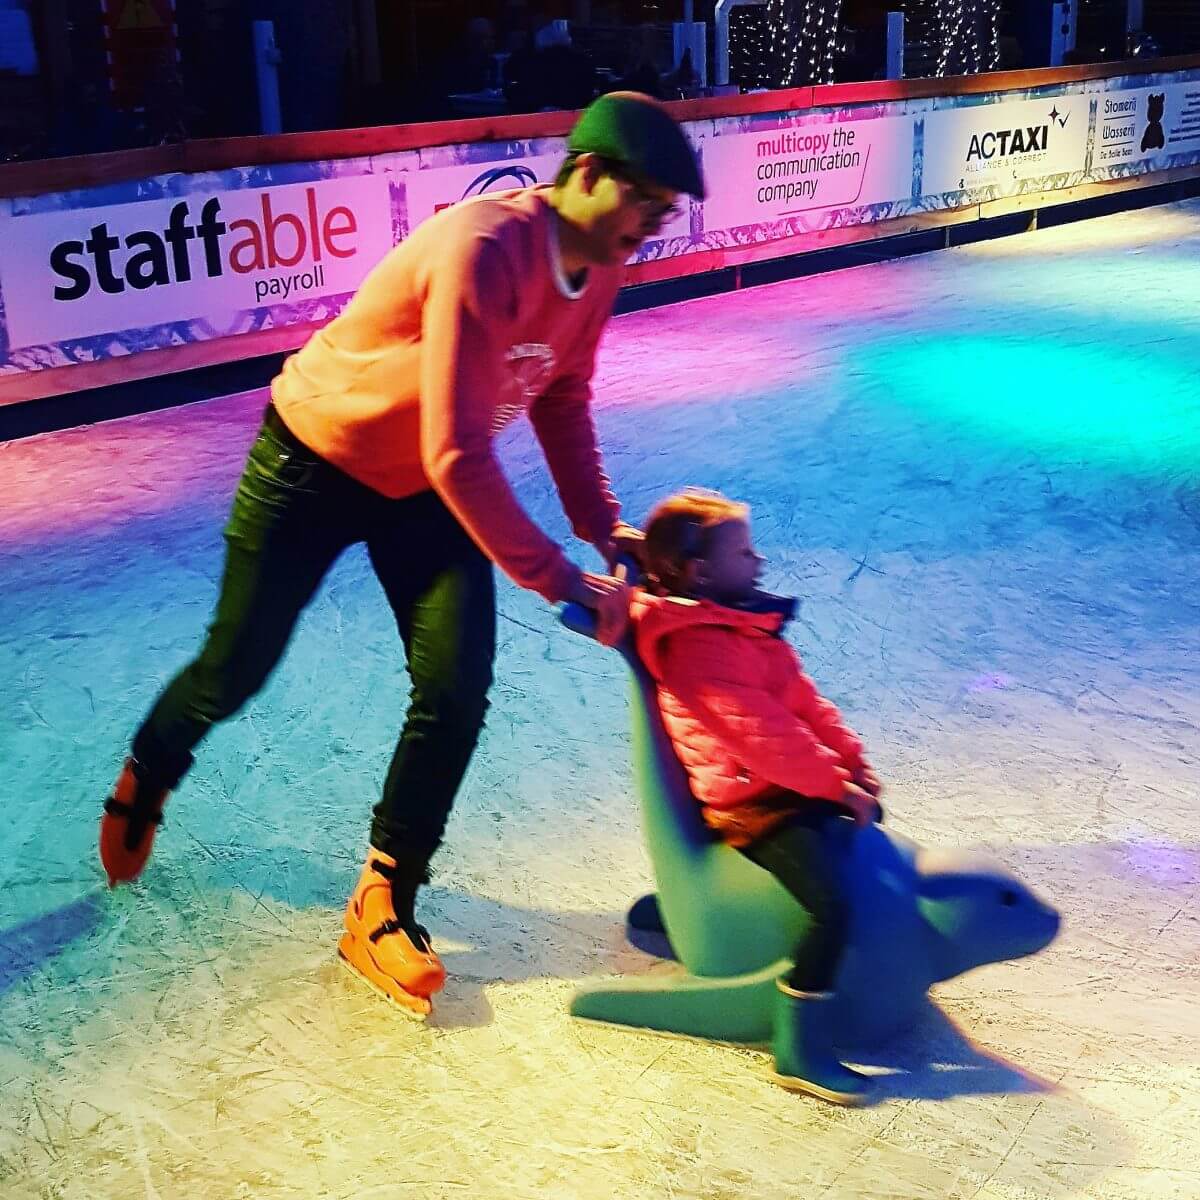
(1001, 145)
(1147, 126)
(769, 174)
(79, 272)
(431, 189)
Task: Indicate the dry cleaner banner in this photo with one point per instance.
(1147, 128)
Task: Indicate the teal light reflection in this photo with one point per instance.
(1077, 402)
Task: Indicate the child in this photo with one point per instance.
(768, 758)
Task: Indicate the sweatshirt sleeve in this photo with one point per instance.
(562, 420)
(708, 676)
(469, 308)
(825, 720)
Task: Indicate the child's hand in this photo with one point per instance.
(866, 779)
(862, 805)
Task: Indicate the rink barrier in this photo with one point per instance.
(171, 260)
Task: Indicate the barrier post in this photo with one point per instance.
(266, 71)
(1062, 31)
(894, 58)
(692, 36)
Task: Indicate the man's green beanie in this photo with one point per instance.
(638, 132)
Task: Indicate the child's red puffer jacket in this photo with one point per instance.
(744, 718)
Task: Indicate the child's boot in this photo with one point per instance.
(393, 954)
(805, 1060)
(132, 815)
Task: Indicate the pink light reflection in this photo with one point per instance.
(96, 477)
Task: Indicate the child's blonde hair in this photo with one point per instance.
(679, 531)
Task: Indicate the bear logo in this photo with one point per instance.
(1154, 138)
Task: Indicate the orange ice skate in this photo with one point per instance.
(132, 815)
(397, 960)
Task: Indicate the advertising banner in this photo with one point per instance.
(998, 147)
(78, 272)
(1148, 129)
(88, 275)
(431, 189)
(768, 174)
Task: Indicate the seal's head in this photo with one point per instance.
(978, 912)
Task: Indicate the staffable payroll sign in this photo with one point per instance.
(81, 272)
(1001, 146)
(764, 175)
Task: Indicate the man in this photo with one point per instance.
(379, 431)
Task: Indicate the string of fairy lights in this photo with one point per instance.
(803, 40)
(967, 34)
(748, 63)
(793, 43)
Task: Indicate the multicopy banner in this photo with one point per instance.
(115, 270)
(807, 164)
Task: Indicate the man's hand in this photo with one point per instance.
(862, 805)
(627, 542)
(608, 597)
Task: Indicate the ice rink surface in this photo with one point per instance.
(980, 469)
